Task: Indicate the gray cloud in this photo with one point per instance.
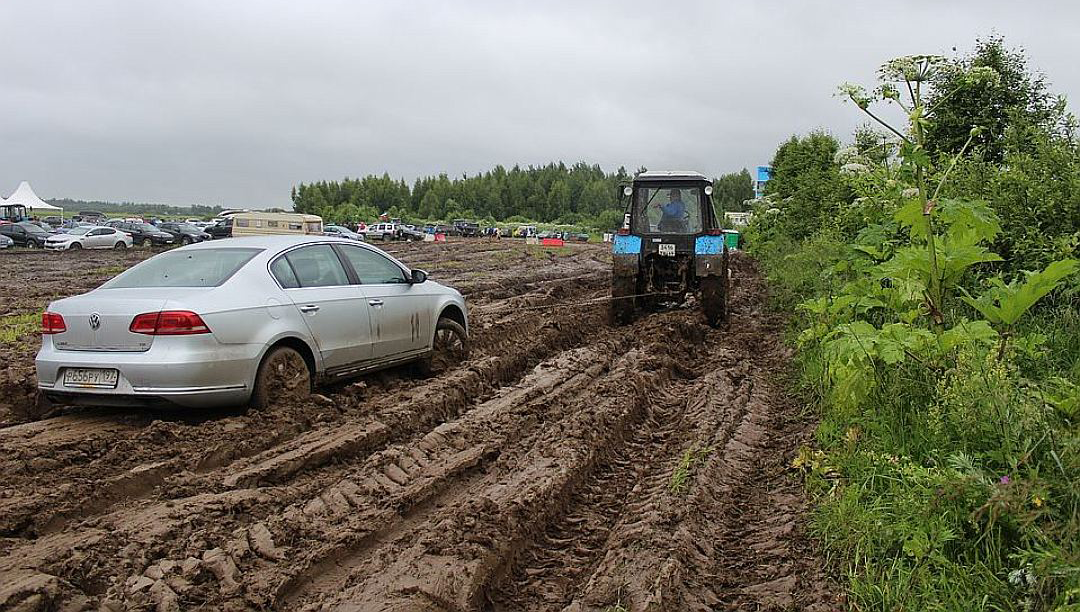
(233, 102)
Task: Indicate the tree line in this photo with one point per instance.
(580, 194)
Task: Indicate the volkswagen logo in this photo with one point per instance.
(95, 321)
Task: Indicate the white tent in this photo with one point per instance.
(24, 194)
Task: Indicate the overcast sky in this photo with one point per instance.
(233, 102)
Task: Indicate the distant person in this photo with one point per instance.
(673, 213)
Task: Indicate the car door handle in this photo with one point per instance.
(375, 302)
(309, 308)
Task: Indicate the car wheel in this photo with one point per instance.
(185, 240)
(120, 246)
(140, 242)
(449, 348)
(74, 246)
(284, 376)
(30, 244)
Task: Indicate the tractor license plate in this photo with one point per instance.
(666, 250)
(90, 378)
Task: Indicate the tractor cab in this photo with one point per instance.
(670, 244)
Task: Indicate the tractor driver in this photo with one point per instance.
(673, 217)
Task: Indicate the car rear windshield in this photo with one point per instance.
(185, 268)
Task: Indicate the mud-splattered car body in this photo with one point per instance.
(193, 325)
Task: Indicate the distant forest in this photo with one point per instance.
(581, 194)
(74, 206)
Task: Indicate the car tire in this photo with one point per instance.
(120, 246)
(140, 242)
(449, 348)
(74, 246)
(185, 240)
(31, 244)
(284, 376)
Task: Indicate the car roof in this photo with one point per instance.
(275, 241)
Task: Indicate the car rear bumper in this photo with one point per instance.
(186, 371)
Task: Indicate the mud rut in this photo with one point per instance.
(537, 476)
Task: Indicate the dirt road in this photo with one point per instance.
(568, 465)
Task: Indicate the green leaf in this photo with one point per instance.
(1034, 288)
(1004, 304)
(968, 332)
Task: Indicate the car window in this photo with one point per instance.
(317, 266)
(372, 268)
(284, 274)
(99, 232)
(185, 268)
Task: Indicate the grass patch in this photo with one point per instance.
(688, 464)
(14, 327)
(109, 270)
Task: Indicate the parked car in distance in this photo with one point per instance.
(381, 231)
(91, 216)
(338, 231)
(52, 220)
(142, 233)
(184, 233)
(405, 233)
(69, 225)
(464, 227)
(221, 229)
(25, 234)
(90, 237)
(5, 242)
(254, 320)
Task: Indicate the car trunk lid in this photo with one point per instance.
(100, 320)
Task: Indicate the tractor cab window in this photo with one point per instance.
(669, 210)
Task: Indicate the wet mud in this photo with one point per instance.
(566, 465)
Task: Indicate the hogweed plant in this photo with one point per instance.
(948, 470)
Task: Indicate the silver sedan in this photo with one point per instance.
(251, 320)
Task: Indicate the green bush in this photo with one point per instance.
(946, 468)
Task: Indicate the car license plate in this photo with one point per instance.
(91, 378)
(667, 250)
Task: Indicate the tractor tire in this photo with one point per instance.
(622, 300)
(714, 299)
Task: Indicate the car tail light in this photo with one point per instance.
(168, 323)
(52, 323)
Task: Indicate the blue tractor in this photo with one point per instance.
(670, 245)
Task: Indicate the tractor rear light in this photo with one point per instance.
(168, 323)
(52, 323)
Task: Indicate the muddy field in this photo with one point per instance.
(567, 465)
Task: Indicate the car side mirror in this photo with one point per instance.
(418, 276)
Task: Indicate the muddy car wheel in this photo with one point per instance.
(449, 348)
(120, 246)
(75, 246)
(284, 376)
(714, 299)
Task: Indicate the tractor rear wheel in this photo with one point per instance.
(714, 298)
(622, 300)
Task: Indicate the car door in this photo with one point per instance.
(95, 238)
(333, 309)
(400, 312)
